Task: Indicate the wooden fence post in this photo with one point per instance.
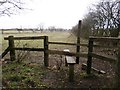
(46, 60)
(117, 84)
(11, 46)
(89, 61)
(71, 72)
(78, 41)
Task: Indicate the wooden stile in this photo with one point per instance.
(71, 62)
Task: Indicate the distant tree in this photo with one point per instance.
(8, 7)
(41, 27)
(19, 30)
(88, 25)
(2, 31)
(52, 28)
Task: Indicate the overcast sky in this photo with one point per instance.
(58, 13)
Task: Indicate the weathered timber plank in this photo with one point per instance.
(63, 43)
(67, 53)
(66, 50)
(111, 60)
(104, 39)
(26, 38)
(84, 67)
(5, 52)
(101, 46)
(30, 49)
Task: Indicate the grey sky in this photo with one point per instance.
(58, 13)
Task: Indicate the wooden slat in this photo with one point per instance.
(101, 46)
(5, 52)
(111, 60)
(61, 52)
(104, 39)
(84, 67)
(26, 38)
(63, 43)
(30, 49)
(67, 53)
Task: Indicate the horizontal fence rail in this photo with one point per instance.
(25, 38)
(101, 46)
(109, 59)
(62, 43)
(30, 49)
(68, 53)
(5, 52)
(104, 39)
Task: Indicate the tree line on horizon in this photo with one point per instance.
(103, 19)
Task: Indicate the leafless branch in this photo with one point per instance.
(8, 7)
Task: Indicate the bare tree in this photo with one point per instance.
(102, 20)
(52, 28)
(41, 27)
(107, 14)
(8, 7)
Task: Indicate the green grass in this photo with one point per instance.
(23, 75)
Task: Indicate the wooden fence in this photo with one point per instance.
(47, 51)
(12, 48)
(90, 54)
(116, 60)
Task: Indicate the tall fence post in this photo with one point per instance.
(89, 61)
(11, 46)
(117, 84)
(46, 60)
(78, 41)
